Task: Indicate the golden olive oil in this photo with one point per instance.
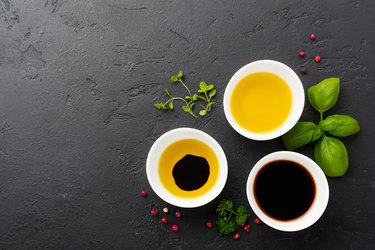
(261, 102)
(188, 168)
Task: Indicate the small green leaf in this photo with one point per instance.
(212, 93)
(210, 86)
(323, 95)
(195, 97)
(174, 78)
(210, 104)
(180, 74)
(331, 155)
(167, 92)
(242, 214)
(185, 108)
(224, 226)
(171, 105)
(187, 97)
(340, 125)
(224, 206)
(200, 91)
(301, 134)
(191, 105)
(202, 86)
(203, 112)
(159, 106)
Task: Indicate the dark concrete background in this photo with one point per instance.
(77, 84)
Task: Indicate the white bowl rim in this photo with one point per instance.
(153, 159)
(288, 75)
(320, 201)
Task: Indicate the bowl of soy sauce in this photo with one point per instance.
(287, 191)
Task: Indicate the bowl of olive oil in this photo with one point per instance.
(264, 100)
(186, 167)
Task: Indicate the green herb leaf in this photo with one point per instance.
(224, 226)
(331, 155)
(180, 74)
(187, 97)
(223, 206)
(167, 92)
(210, 104)
(159, 106)
(191, 105)
(185, 108)
(202, 86)
(195, 97)
(301, 134)
(170, 104)
(209, 87)
(174, 78)
(242, 214)
(203, 112)
(340, 125)
(323, 95)
(212, 93)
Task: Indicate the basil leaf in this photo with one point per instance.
(212, 93)
(331, 155)
(323, 95)
(301, 134)
(340, 125)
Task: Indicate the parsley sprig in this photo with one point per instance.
(205, 94)
(228, 216)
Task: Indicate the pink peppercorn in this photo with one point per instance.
(312, 36)
(301, 53)
(154, 212)
(209, 224)
(257, 221)
(175, 228)
(236, 236)
(143, 193)
(317, 58)
(164, 220)
(177, 214)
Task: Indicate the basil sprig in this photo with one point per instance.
(329, 152)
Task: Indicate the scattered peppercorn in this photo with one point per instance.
(257, 221)
(317, 58)
(236, 236)
(175, 228)
(303, 70)
(165, 210)
(247, 228)
(154, 212)
(164, 220)
(312, 36)
(242, 224)
(177, 214)
(209, 224)
(301, 53)
(144, 193)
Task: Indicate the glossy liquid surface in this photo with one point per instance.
(261, 102)
(188, 168)
(284, 190)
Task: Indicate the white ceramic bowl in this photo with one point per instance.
(153, 161)
(321, 192)
(284, 72)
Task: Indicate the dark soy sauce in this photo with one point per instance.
(284, 189)
(191, 172)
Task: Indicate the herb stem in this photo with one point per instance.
(187, 89)
(321, 116)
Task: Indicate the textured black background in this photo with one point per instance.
(77, 84)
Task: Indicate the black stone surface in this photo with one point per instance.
(77, 84)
